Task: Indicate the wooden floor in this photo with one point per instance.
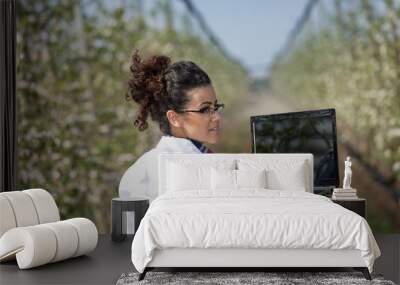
(111, 259)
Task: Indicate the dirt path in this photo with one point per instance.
(263, 104)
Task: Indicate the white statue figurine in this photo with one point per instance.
(347, 173)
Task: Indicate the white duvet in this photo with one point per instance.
(250, 219)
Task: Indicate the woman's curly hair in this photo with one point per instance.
(158, 86)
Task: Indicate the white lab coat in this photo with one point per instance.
(141, 178)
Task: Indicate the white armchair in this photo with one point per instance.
(32, 233)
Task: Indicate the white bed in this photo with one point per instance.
(201, 221)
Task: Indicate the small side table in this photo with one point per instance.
(123, 212)
(358, 206)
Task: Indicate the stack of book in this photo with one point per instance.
(344, 194)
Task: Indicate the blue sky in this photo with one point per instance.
(252, 31)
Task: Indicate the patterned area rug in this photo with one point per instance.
(225, 278)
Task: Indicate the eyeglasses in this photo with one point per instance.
(207, 110)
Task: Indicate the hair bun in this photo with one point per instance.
(146, 84)
(159, 64)
(147, 74)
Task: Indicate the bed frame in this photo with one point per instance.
(244, 259)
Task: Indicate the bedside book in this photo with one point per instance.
(344, 194)
(344, 198)
(340, 190)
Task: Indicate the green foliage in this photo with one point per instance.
(76, 135)
(353, 64)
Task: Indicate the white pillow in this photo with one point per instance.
(193, 174)
(281, 174)
(223, 179)
(182, 177)
(228, 179)
(203, 160)
(251, 178)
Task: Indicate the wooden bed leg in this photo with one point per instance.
(143, 274)
(364, 271)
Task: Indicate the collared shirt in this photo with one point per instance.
(201, 146)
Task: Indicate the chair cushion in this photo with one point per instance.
(45, 205)
(23, 208)
(7, 220)
(40, 244)
(26, 208)
(31, 230)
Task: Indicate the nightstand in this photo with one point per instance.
(126, 214)
(356, 205)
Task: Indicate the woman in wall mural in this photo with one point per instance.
(181, 99)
